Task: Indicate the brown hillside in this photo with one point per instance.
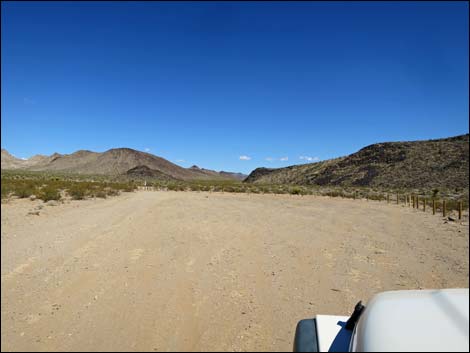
(10, 162)
(431, 163)
(115, 161)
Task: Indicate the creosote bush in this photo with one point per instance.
(48, 193)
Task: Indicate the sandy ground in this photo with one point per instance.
(168, 271)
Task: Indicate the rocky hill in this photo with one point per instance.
(144, 172)
(415, 164)
(116, 161)
(9, 161)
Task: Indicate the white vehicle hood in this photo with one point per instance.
(416, 320)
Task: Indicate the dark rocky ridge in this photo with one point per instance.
(416, 164)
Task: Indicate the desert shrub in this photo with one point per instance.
(296, 191)
(48, 193)
(172, 187)
(264, 189)
(181, 187)
(24, 190)
(280, 190)
(377, 197)
(126, 187)
(176, 187)
(333, 193)
(228, 189)
(195, 187)
(7, 188)
(77, 191)
(100, 193)
(217, 188)
(111, 192)
(129, 187)
(453, 205)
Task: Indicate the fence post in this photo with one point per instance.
(398, 200)
(433, 206)
(388, 198)
(443, 208)
(460, 209)
(417, 202)
(424, 205)
(414, 201)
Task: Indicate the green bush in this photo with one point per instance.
(296, 191)
(6, 189)
(171, 187)
(24, 191)
(228, 189)
(77, 192)
(193, 187)
(48, 193)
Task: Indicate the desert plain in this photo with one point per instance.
(206, 271)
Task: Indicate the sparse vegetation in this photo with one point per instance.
(49, 186)
(77, 191)
(25, 189)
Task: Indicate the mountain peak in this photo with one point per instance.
(115, 161)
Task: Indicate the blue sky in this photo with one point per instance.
(209, 83)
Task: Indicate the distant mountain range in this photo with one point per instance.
(416, 164)
(116, 161)
(440, 163)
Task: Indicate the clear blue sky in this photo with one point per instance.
(209, 82)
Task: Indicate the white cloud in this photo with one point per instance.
(283, 159)
(147, 149)
(24, 158)
(309, 159)
(180, 160)
(245, 158)
(269, 159)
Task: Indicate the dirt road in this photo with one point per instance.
(167, 271)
